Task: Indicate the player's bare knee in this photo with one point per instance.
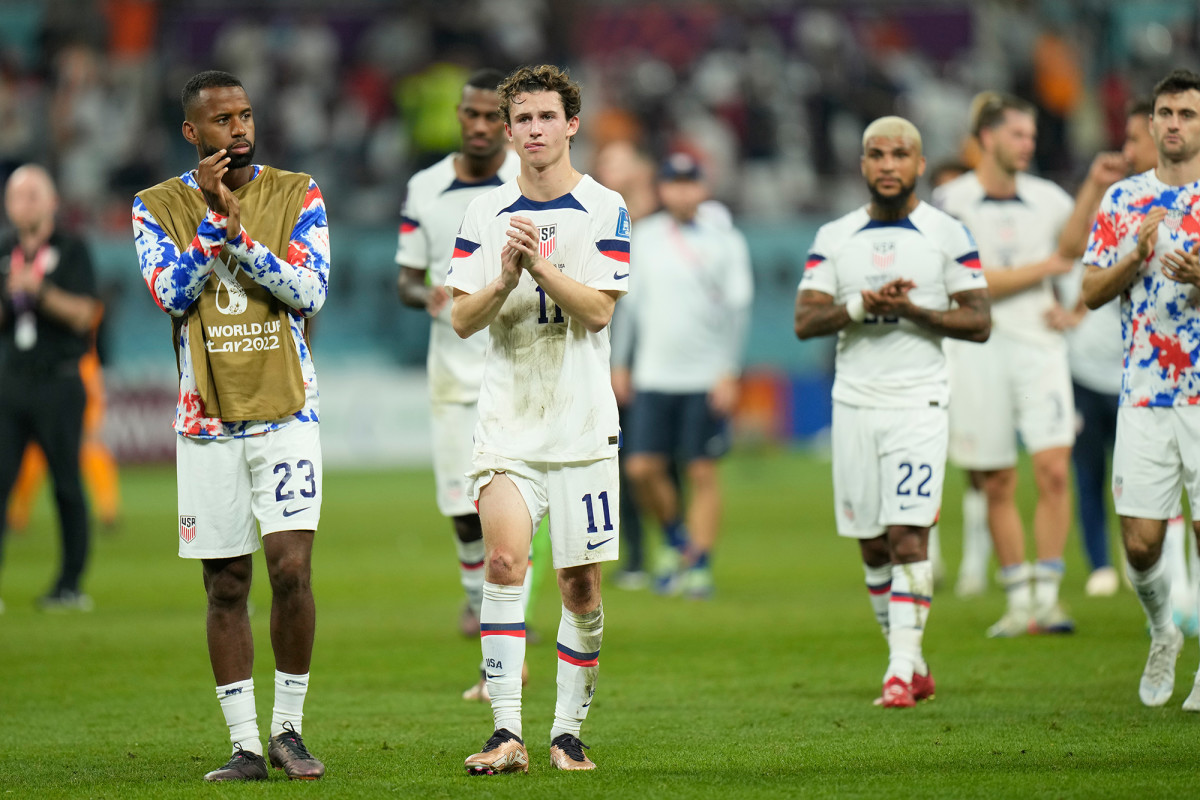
(907, 544)
(875, 552)
(506, 567)
(290, 573)
(1053, 480)
(227, 583)
(641, 468)
(580, 587)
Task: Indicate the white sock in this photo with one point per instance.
(1016, 580)
(1154, 593)
(933, 548)
(1174, 554)
(1047, 575)
(237, 703)
(879, 588)
(579, 637)
(502, 638)
(470, 572)
(912, 593)
(290, 691)
(527, 586)
(977, 540)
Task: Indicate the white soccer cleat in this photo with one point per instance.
(1192, 703)
(1158, 679)
(478, 693)
(1103, 582)
(1015, 622)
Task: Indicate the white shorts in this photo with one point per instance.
(889, 465)
(583, 499)
(230, 489)
(453, 444)
(1156, 456)
(1006, 387)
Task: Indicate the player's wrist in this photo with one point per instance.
(856, 308)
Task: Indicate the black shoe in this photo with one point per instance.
(288, 753)
(242, 766)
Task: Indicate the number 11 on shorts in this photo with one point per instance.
(587, 502)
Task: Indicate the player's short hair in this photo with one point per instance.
(892, 127)
(544, 78)
(486, 78)
(1140, 107)
(1178, 82)
(989, 109)
(209, 79)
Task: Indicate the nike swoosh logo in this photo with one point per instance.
(289, 513)
(618, 276)
(594, 545)
(490, 675)
(909, 506)
(290, 682)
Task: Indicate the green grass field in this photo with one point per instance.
(763, 692)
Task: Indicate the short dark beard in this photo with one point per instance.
(236, 160)
(892, 207)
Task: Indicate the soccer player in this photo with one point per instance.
(540, 262)
(434, 206)
(238, 254)
(1143, 249)
(1019, 380)
(685, 366)
(892, 279)
(1094, 341)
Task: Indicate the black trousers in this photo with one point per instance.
(48, 409)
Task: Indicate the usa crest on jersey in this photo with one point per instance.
(883, 254)
(547, 239)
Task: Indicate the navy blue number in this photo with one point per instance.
(543, 317)
(587, 502)
(310, 478)
(286, 469)
(922, 487)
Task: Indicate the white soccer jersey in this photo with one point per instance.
(886, 362)
(1013, 232)
(700, 272)
(433, 209)
(547, 392)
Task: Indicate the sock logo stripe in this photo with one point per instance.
(905, 597)
(471, 565)
(578, 659)
(882, 588)
(502, 629)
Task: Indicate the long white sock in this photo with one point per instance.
(1174, 554)
(1047, 576)
(470, 572)
(1153, 589)
(977, 540)
(1016, 580)
(879, 589)
(912, 593)
(290, 691)
(579, 637)
(237, 703)
(502, 638)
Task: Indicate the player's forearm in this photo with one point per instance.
(302, 285)
(175, 279)
(972, 320)
(412, 288)
(471, 313)
(818, 317)
(591, 307)
(1007, 282)
(1102, 285)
